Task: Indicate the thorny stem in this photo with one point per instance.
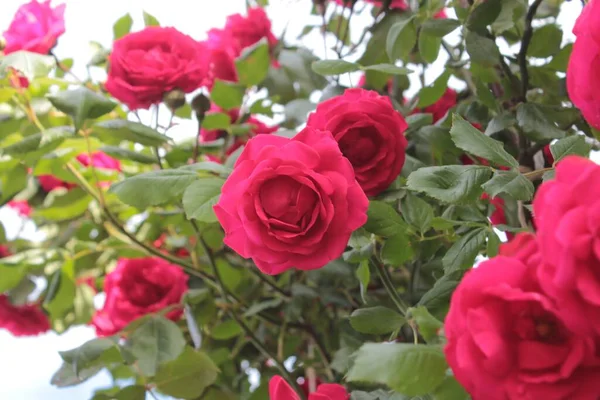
(522, 57)
(259, 346)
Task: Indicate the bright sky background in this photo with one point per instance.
(28, 363)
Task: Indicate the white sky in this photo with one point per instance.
(28, 363)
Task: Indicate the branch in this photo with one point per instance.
(386, 279)
(522, 57)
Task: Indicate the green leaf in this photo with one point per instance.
(13, 182)
(545, 41)
(463, 252)
(61, 291)
(401, 39)
(200, 197)
(439, 27)
(417, 212)
(117, 130)
(512, 183)
(450, 183)
(153, 188)
(227, 95)
(85, 355)
(397, 250)
(66, 376)
(156, 341)
(383, 220)
(364, 278)
(226, 330)
(482, 49)
(575, 144)
(135, 392)
(376, 320)
(560, 61)
(123, 26)
(216, 121)
(263, 305)
(31, 65)
(512, 13)
(208, 167)
(187, 376)
(61, 206)
(450, 389)
(11, 276)
(124, 154)
(440, 293)
(429, 47)
(428, 325)
(81, 104)
(470, 139)
(252, 65)
(409, 369)
(150, 20)
(334, 67)
(493, 244)
(390, 69)
(430, 94)
(484, 14)
(532, 119)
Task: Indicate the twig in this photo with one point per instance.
(386, 279)
(522, 57)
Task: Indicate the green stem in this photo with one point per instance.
(259, 346)
(386, 279)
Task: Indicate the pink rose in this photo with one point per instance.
(583, 72)
(35, 27)
(25, 320)
(567, 216)
(291, 203)
(139, 286)
(21, 207)
(222, 51)
(250, 29)
(370, 133)
(506, 339)
(50, 182)
(523, 246)
(279, 389)
(440, 108)
(147, 64)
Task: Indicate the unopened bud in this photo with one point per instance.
(174, 99)
(200, 105)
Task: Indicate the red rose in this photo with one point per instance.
(99, 160)
(279, 389)
(222, 51)
(506, 340)
(291, 203)
(35, 27)
(370, 134)
(4, 251)
(395, 4)
(25, 320)
(583, 76)
(257, 128)
(250, 29)
(567, 216)
(21, 207)
(147, 64)
(522, 246)
(440, 108)
(137, 287)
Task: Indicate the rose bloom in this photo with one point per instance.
(4, 251)
(567, 217)
(522, 246)
(99, 160)
(21, 207)
(257, 128)
(506, 339)
(583, 71)
(440, 108)
(222, 49)
(291, 203)
(25, 320)
(279, 389)
(248, 30)
(370, 133)
(35, 27)
(139, 286)
(147, 64)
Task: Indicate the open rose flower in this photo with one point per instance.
(523, 246)
(35, 28)
(291, 203)
(139, 286)
(506, 339)
(583, 71)
(370, 133)
(147, 64)
(222, 50)
(25, 320)
(247, 30)
(567, 217)
(279, 389)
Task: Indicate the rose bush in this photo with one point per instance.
(231, 218)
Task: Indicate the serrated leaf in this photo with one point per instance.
(397, 250)
(511, 183)
(125, 154)
(439, 27)
(429, 47)
(150, 20)
(216, 121)
(484, 14)
(470, 139)
(117, 130)
(364, 278)
(401, 39)
(383, 220)
(545, 41)
(226, 330)
(406, 368)
(450, 183)
(252, 65)
(227, 95)
(532, 120)
(463, 252)
(376, 320)
(572, 145)
(334, 67)
(482, 49)
(428, 325)
(200, 197)
(432, 93)
(122, 26)
(417, 212)
(81, 104)
(85, 355)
